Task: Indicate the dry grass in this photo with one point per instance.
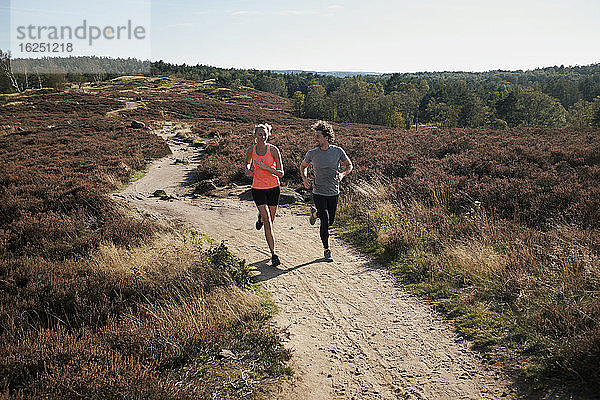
(150, 322)
(478, 258)
(508, 286)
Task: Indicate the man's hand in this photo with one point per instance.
(339, 176)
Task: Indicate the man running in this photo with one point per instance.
(330, 165)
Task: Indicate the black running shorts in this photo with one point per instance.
(269, 196)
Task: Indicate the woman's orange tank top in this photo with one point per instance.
(264, 179)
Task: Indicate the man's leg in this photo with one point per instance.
(323, 215)
(332, 202)
(331, 206)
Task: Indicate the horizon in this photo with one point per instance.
(278, 70)
(429, 72)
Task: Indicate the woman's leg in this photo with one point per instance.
(264, 213)
(273, 200)
(273, 211)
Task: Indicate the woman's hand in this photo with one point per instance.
(260, 164)
(306, 184)
(248, 171)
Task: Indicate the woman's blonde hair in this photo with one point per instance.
(264, 126)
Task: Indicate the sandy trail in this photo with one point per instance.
(354, 333)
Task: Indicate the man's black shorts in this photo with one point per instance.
(269, 197)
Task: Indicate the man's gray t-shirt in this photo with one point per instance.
(325, 164)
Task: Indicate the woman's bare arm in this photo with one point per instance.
(248, 163)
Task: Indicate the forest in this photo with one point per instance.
(547, 97)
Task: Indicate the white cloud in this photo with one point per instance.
(334, 6)
(241, 13)
(292, 12)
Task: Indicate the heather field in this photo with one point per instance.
(101, 301)
(498, 229)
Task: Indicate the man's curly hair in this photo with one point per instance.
(326, 130)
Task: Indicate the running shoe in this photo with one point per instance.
(259, 223)
(327, 255)
(275, 260)
(312, 219)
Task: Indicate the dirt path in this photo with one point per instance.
(354, 333)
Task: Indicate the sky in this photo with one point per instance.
(373, 36)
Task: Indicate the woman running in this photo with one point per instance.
(265, 159)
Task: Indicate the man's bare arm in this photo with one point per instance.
(346, 168)
(304, 174)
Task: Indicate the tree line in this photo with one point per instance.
(17, 75)
(547, 97)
